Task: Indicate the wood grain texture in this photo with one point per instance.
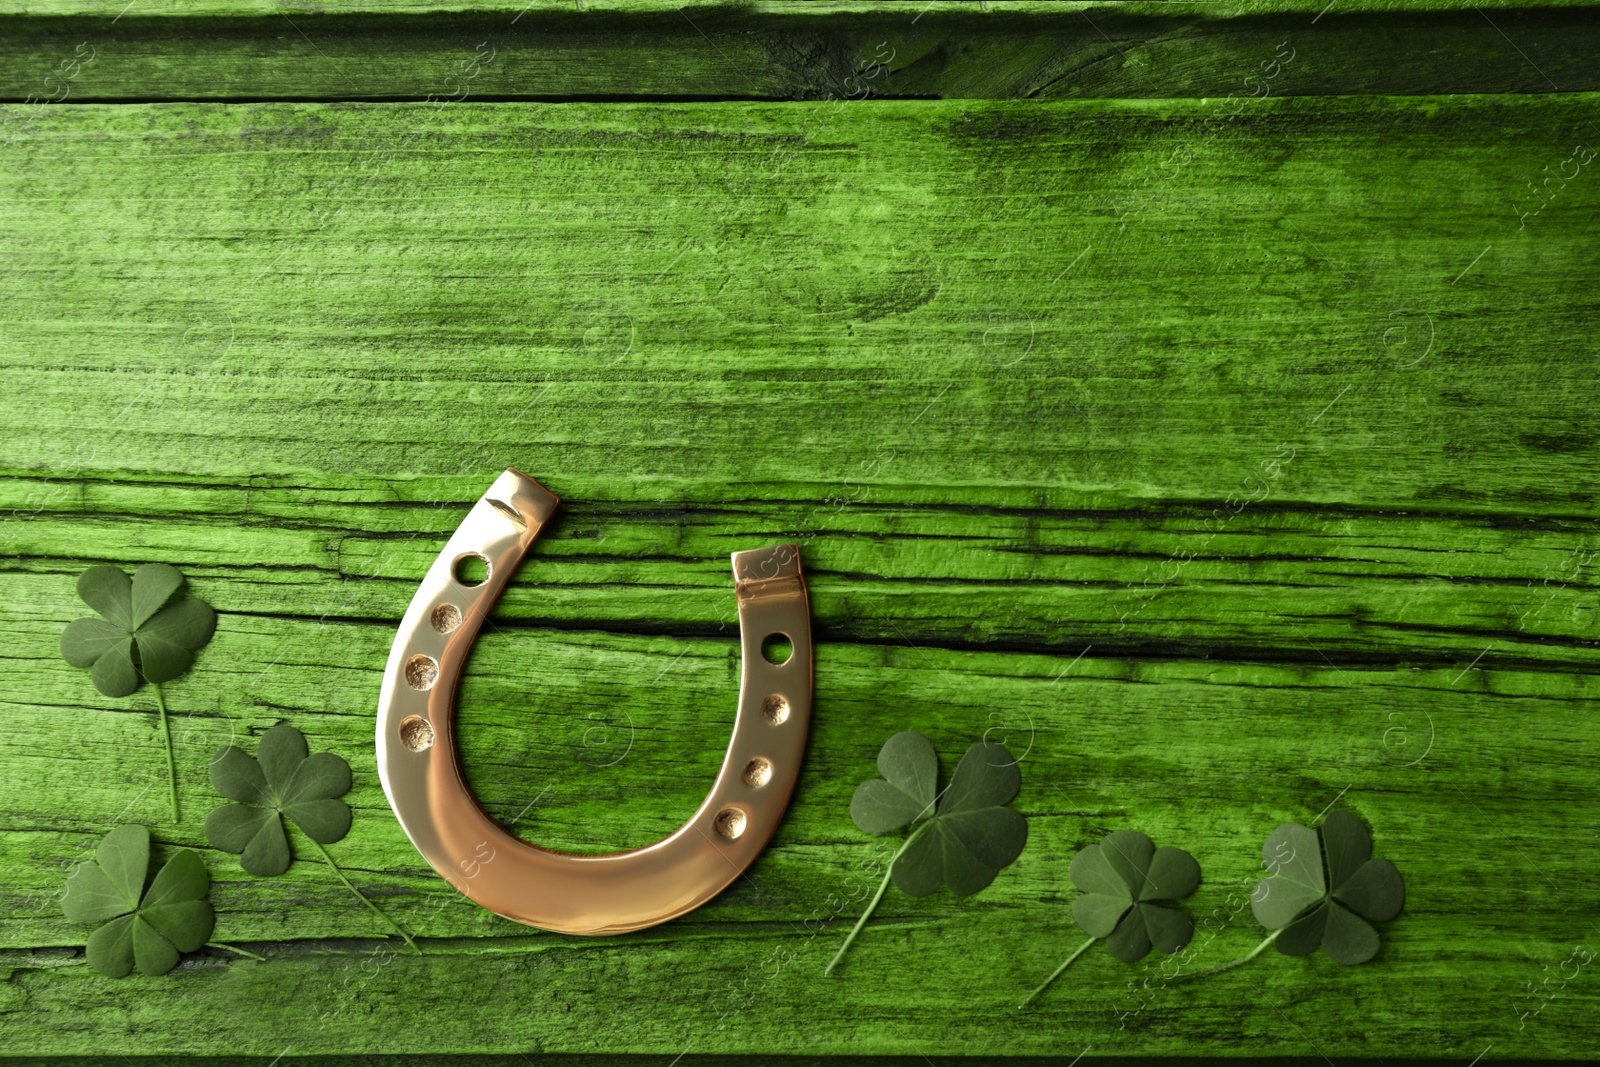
(111, 9)
(1227, 471)
(791, 51)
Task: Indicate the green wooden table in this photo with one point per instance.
(1199, 398)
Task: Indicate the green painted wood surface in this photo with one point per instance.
(113, 9)
(793, 50)
(1229, 470)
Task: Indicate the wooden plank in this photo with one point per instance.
(602, 8)
(1367, 589)
(110, 9)
(792, 51)
(699, 275)
(1106, 753)
(997, 366)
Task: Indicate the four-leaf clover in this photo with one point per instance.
(282, 781)
(148, 928)
(139, 633)
(1326, 893)
(142, 633)
(960, 838)
(1119, 881)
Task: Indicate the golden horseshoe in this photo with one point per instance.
(622, 891)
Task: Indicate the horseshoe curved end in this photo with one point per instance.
(603, 894)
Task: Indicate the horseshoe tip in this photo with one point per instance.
(766, 564)
(527, 497)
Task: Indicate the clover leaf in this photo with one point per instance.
(137, 621)
(147, 931)
(1326, 890)
(282, 781)
(965, 836)
(142, 633)
(1119, 881)
(962, 837)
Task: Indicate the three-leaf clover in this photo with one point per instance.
(148, 930)
(1119, 881)
(282, 781)
(142, 633)
(1326, 892)
(961, 838)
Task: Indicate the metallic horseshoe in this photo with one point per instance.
(622, 891)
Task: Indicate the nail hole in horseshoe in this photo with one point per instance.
(471, 569)
(729, 823)
(775, 709)
(421, 672)
(445, 618)
(776, 648)
(416, 733)
(758, 772)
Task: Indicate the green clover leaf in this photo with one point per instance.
(149, 932)
(142, 633)
(1326, 890)
(283, 780)
(961, 838)
(1119, 882)
(1120, 879)
(966, 837)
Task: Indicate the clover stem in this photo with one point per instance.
(172, 763)
(240, 951)
(1057, 973)
(1270, 938)
(375, 909)
(873, 903)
